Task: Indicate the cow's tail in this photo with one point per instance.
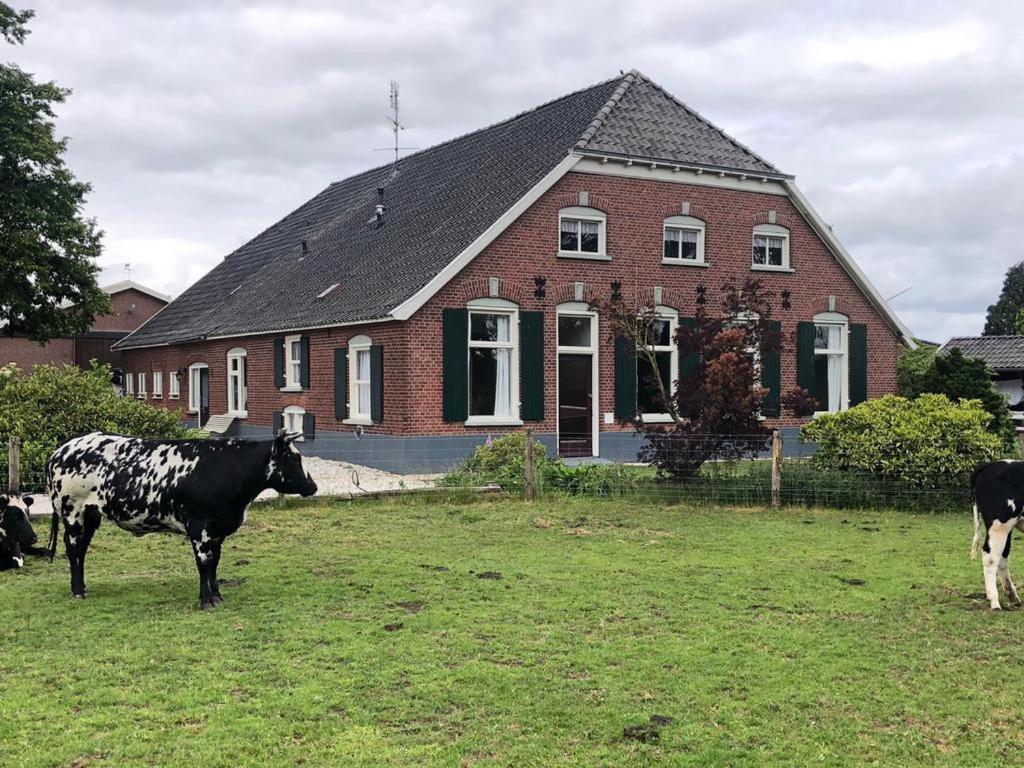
(976, 543)
(54, 529)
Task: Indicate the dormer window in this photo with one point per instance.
(581, 233)
(684, 241)
(771, 248)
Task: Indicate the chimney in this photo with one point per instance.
(380, 207)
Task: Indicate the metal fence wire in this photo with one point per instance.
(742, 470)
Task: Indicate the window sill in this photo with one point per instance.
(173, 397)
(492, 421)
(158, 397)
(584, 256)
(292, 388)
(685, 263)
(358, 421)
(238, 414)
(770, 268)
(656, 418)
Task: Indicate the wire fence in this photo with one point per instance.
(746, 470)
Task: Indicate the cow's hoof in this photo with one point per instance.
(78, 595)
(995, 608)
(218, 599)
(207, 605)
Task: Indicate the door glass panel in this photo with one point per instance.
(573, 331)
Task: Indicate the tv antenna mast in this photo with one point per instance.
(396, 127)
(129, 270)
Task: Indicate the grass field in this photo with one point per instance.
(381, 634)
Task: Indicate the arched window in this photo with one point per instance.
(293, 417)
(831, 365)
(684, 240)
(581, 233)
(493, 362)
(770, 248)
(238, 385)
(666, 356)
(359, 379)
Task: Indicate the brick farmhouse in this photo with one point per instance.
(133, 304)
(403, 315)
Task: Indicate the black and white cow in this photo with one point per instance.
(17, 538)
(197, 488)
(998, 492)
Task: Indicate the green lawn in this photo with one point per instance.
(364, 635)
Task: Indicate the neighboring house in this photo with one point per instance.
(133, 304)
(1004, 355)
(398, 319)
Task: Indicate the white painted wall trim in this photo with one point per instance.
(407, 308)
(846, 261)
(695, 176)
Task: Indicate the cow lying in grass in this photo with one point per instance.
(196, 488)
(17, 538)
(998, 492)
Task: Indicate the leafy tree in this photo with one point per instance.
(715, 412)
(913, 367)
(1018, 323)
(48, 249)
(1002, 316)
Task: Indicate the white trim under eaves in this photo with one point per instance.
(846, 261)
(407, 308)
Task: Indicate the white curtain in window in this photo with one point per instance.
(835, 368)
(363, 374)
(503, 380)
(687, 235)
(589, 227)
(673, 235)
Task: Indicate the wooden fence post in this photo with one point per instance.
(14, 465)
(776, 468)
(529, 481)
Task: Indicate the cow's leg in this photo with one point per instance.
(215, 547)
(207, 552)
(1004, 572)
(995, 542)
(90, 522)
(74, 527)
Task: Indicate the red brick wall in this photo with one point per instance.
(131, 309)
(26, 353)
(636, 210)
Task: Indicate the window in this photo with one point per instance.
(684, 240)
(830, 363)
(293, 362)
(129, 383)
(142, 386)
(292, 418)
(195, 397)
(158, 384)
(574, 331)
(662, 341)
(238, 384)
(173, 386)
(771, 248)
(581, 232)
(493, 362)
(359, 379)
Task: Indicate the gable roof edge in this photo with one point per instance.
(411, 305)
(846, 261)
(602, 114)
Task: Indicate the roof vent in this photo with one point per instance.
(379, 213)
(305, 247)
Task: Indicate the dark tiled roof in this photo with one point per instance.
(1001, 353)
(441, 200)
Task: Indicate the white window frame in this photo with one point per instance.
(194, 396)
(238, 354)
(356, 346)
(672, 315)
(580, 213)
(771, 230)
(689, 224)
(141, 393)
(292, 365)
(289, 416)
(843, 322)
(129, 383)
(158, 385)
(495, 307)
(173, 386)
(582, 309)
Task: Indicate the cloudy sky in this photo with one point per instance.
(201, 122)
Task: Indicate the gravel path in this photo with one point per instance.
(333, 478)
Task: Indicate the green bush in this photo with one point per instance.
(589, 479)
(926, 442)
(53, 404)
(912, 368)
(499, 461)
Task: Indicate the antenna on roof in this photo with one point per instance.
(396, 126)
(128, 271)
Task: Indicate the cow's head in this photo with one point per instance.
(285, 473)
(15, 530)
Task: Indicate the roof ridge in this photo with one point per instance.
(602, 114)
(637, 75)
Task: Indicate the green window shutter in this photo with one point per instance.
(341, 383)
(455, 364)
(279, 363)
(858, 364)
(531, 366)
(377, 383)
(771, 372)
(304, 361)
(278, 421)
(805, 356)
(308, 426)
(688, 361)
(625, 379)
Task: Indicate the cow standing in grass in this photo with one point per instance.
(196, 488)
(998, 492)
